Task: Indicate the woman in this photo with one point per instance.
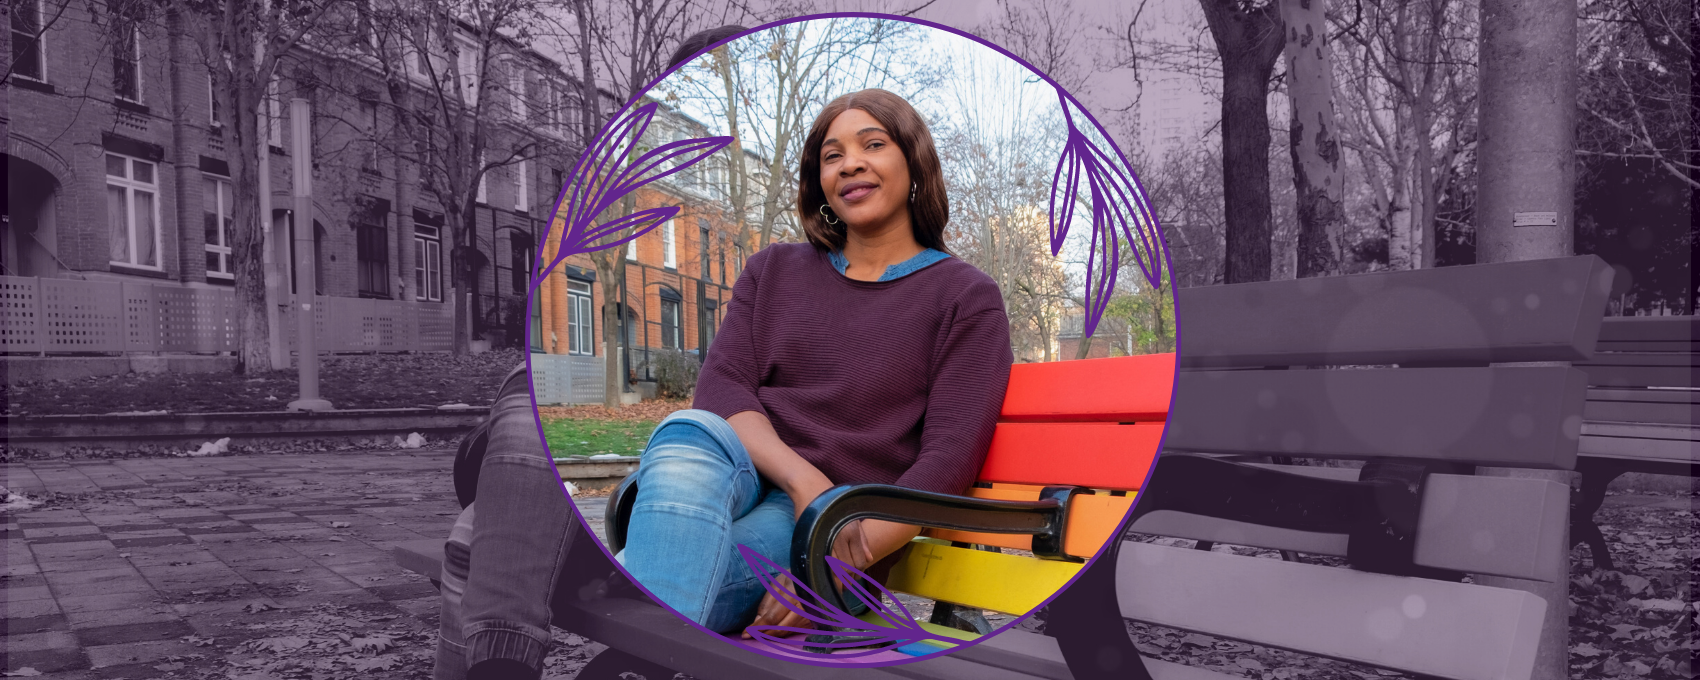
(867, 355)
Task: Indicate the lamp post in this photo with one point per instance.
(307, 356)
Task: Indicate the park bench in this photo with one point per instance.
(1641, 412)
(1260, 376)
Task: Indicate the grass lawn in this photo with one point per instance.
(570, 437)
(349, 382)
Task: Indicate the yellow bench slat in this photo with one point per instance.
(975, 578)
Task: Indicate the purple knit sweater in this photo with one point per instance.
(893, 382)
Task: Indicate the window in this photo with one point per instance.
(428, 61)
(720, 254)
(516, 88)
(427, 263)
(132, 214)
(216, 200)
(702, 250)
(126, 61)
(212, 100)
(708, 317)
(670, 254)
(581, 338)
(670, 330)
(369, 116)
(522, 190)
(631, 250)
(372, 255)
(738, 262)
(318, 255)
(274, 115)
(520, 249)
(28, 55)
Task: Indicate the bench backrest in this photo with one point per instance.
(1642, 402)
(1093, 423)
(1382, 366)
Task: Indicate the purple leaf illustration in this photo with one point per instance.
(852, 633)
(1118, 204)
(606, 173)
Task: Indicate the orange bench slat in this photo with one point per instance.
(1093, 455)
(1091, 522)
(1121, 389)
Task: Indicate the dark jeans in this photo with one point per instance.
(507, 550)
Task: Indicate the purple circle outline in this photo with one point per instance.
(1121, 527)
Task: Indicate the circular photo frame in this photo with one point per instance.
(901, 550)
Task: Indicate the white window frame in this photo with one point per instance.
(581, 320)
(469, 70)
(516, 88)
(522, 192)
(631, 250)
(438, 61)
(40, 41)
(371, 159)
(224, 205)
(677, 317)
(136, 59)
(130, 187)
(483, 182)
(670, 252)
(427, 263)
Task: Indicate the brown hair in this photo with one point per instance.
(928, 213)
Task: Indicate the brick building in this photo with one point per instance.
(118, 169)
(678, 276)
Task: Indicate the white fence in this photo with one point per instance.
(54, 316)
(567, 379)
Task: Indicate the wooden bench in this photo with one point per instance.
(1391, 367)
(1641, 412)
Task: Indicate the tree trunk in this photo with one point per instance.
(1248, 41)
(1527, 124)
(1318, 183)
(606, 274)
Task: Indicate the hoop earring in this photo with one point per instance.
(825, 216)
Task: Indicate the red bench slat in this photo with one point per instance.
(1120, 389)
(1094, 455)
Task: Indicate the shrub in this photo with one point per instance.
(675, 373)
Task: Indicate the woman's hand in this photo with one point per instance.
(773, 613)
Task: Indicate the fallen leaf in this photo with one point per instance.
(1197, 640)
(340, 525)
(168, 667)
(257, 607)
(1657, 605)
(1586, 649)
(1635, 584)
(25, 672)
(1252, 664)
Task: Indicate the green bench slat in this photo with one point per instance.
(1541, 310)
(1641, 369)
(1669, 407)
(1500, 526)
(1527, 416)
(1450, 630)
(1650, 328)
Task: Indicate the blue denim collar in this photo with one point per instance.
(896, 271)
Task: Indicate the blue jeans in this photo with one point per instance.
(507, 550)
(699, 497)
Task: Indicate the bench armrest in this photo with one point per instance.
(831, 511)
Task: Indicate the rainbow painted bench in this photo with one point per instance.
(1074, 442)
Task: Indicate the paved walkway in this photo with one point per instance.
(223, 567)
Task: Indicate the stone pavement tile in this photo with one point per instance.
(224, 608)
(421, 607)
(141, 614)
(80, 551)
(137, 652)
(15, 625)
(27, 609)
(93, 537)
(35, 535)
(47, 660)
(50, 523)
(23, 581)
(181, 517)
(128, 532)
(79, 604)
(237, 552)
(405, 591)
(118, 633)
(113, 561)
(352, 596)
(167, 555)
(10, 595)
(98, 581)
(152, 541)
(248, 508)
(35, 642)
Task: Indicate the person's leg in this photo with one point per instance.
(694, 482)
(766, 530)
(451, 645)
(518, 546)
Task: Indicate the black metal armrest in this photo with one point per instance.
(828, 514)
(619, 513)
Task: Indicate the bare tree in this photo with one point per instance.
(1408, 70)
(1637, 88)
(242, 43)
